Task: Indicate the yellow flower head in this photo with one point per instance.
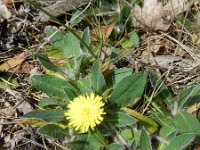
(85, 112)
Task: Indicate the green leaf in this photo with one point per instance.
(98, 81)
(5, 78)
(125, 14)
(189, 96)
(86, 38)
(53, 131)
(119, 74)
(51, 51)
(164, 119)
(133, 145)
(96, 140)
(92, 141)
(115, 52)
(46, 62)
(186, 122)
(127, 134)
(180, 142)
(126, 43)
(76, 18)
(125, 18)
(49, 102)
(69, 44)
(138, 2)
(124, 119)
(56, 37)
(168, 134)
(136, 133)
(128, 89)
(51, 85)
(46, 115)
(80, 143)
(182, 21)
(166, 131)
(159, 85)
(72, 46)
(115, 146)
(85, 85)
(72, 93)
(72, 50)
(132, 40)
(145, 141)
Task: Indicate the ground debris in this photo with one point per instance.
(173, 54)
(4, 12)
(158, 16)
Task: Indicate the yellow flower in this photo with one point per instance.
(85, 112)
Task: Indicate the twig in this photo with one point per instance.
(187, 49)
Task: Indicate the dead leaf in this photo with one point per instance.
(14, 62)
(164, 61)
(103, 32)
(35, 71)
(176, 7)
(158, 17)
(35, 122)
(151, 15)
(7, 112)
(194, 107)
(14, 138)
(196, 38)
(107, 29)
(24, 107)
(4, 12)
(61, 7)
(9, 2)
(25, 68)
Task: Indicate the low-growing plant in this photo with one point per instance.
(90, 111)
(91, 106)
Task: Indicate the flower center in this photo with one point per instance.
(86, 111)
